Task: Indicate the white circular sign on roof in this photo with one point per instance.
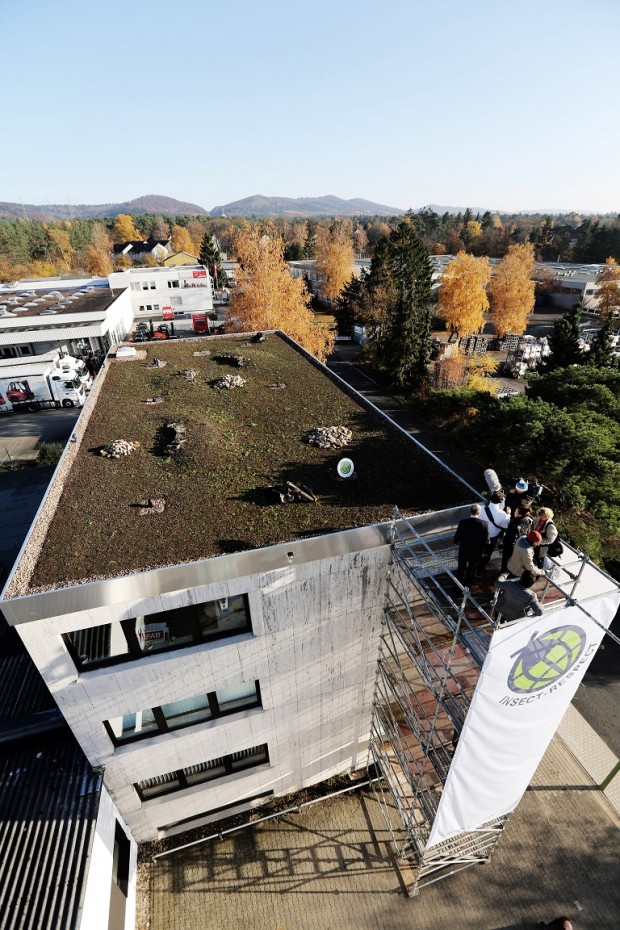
(345, 468)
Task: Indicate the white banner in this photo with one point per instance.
(529, 678)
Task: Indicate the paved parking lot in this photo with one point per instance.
(330, 868)
(21, 433)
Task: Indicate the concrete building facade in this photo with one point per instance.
(181, 289)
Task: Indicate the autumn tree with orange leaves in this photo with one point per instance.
(512, 290)
(125, 229)
(266, 296)
(608, 293)
(334, 258)
(463, 295)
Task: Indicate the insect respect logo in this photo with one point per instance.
(546, 659)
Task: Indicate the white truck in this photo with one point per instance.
(38, 385)
(77, 367)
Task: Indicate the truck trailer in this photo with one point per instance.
(38, 386)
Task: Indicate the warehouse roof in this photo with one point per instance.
(206, 476)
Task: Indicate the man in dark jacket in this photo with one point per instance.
(472, 535)
(515, 599)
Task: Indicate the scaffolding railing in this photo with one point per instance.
(433, 642)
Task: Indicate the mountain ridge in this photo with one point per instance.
(327, 205)
(149, 203)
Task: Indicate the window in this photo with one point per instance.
(201, 773)
(152, 285)
(135, 285)
(156, 307)
(145, 285)
(25, 350)
(171, 629)
(173, 283)
(120, 859)
(185, 713)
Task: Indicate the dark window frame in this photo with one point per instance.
(226, 763)
(163, 726)
(121, 876)
(135, 653)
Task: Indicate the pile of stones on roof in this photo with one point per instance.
(228, 382)
(330, 437)
(188, 374)
(151, 506)
(118, 448)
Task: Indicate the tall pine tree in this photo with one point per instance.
(406, 340)
(210, 257)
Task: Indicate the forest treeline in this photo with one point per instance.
(33, 247)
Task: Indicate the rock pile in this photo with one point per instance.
(118, 448)
(158, 363)
(154, 400)
(178, 438)
(259, 337)
(330, 437)
(228, 382)
(277, 386)
(151, 506)
(189, 374)
(204, 354)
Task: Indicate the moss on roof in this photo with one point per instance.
(238, 443)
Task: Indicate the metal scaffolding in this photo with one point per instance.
(434, 640)
(433, 643)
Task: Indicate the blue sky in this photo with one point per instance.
(505, 105)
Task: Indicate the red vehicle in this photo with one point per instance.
(201, 323)
(19, 391)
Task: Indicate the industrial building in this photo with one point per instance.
(238, 620)
(179, 289)
(76, 315)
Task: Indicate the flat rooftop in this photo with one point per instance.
(48, 305)
(218, 487)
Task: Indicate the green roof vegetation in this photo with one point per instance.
(217, 483)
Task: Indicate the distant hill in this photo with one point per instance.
(304, 206)
(151, 203)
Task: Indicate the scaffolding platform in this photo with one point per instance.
(434, 642)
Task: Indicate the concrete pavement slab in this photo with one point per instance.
(332, 867)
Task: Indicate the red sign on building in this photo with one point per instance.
(199, 274)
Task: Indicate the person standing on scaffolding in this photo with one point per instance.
(497, 517)
(472, 536)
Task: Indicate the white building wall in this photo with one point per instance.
(313, 649)
(96, 905)
(193, 294)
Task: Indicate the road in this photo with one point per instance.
(21, 433)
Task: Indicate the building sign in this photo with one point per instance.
(531, 673)
(153, 634)
(199, 274)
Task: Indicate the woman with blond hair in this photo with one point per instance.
(543, 524)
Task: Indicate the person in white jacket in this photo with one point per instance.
(497, 516)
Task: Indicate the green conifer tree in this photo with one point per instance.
(600, 354)
(210, 257)
(406, 341)
(564, 342)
